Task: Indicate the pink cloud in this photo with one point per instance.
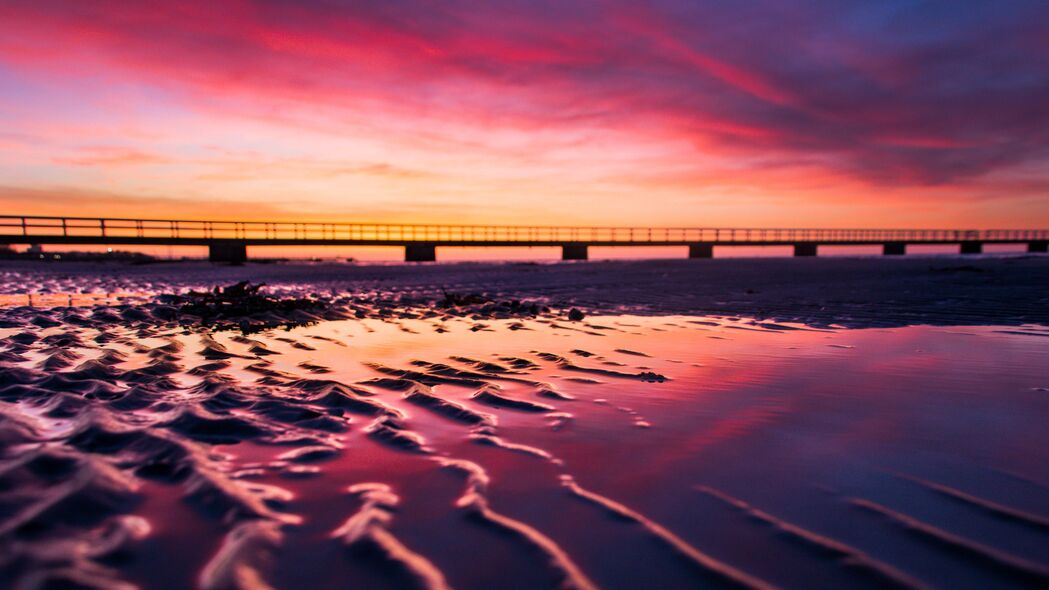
(848, 96)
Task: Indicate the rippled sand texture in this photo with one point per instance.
(616, 452)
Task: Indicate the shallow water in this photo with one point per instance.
(618, 452)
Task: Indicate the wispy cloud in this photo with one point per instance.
(889, 96)
(111, 156)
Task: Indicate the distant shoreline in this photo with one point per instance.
(847, 292)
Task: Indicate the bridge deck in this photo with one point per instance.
(420, 240)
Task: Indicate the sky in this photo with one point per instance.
(834, 113)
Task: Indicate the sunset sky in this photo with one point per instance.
(824, 113)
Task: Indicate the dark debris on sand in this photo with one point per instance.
(251, 307)
(243, 306)
(486, 306)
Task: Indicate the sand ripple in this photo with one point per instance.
(127, 432)
(368, 529)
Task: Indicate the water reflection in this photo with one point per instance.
(769, 453)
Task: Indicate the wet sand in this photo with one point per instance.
(852, 292)
(384, 439)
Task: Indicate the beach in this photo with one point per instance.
(746, 423)
(524, 295)
(850, 291)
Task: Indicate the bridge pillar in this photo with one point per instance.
(701, 250)
(574, 251)
(420, 253)
(1038, 246)
(228, 252)
(972, 247)
(807, 249)
(894, 249)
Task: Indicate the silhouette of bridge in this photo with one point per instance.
(227, 241)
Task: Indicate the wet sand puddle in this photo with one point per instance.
(616, 452)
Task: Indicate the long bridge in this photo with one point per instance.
(227, 241)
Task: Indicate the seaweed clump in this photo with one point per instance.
(482, 306)
(243, 306)
(461, 300)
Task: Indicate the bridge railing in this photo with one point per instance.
(43, 227)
